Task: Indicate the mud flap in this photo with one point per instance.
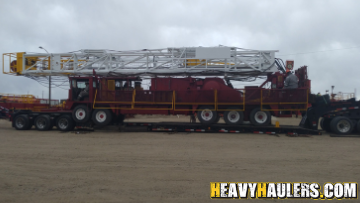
(303, 121)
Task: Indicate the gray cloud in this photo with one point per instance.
(287, 26)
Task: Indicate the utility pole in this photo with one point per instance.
(49, 80)
(49, 91)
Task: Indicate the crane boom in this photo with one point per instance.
(195, 61)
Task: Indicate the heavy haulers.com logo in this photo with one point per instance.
(346, 190)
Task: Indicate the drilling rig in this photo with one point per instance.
(105, 85)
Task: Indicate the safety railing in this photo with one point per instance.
(225, 100)
(231, 100)
(292, 99)
(131, 100)
(186, 99)
(178, 100)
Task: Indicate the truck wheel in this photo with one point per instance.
(258, 117)
(101, 117)
(341, 125)
(65, 123)
(22, 122)
(43, 122)
(81, 114)
(233, 117)
(206, 115)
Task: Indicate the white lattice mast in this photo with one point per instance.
(195, 61)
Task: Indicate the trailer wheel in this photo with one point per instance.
(233, 117)
(258, 117)
(206, 115)
(65, 123)
(43, 122)
(81, 114)
(22, 122)
(341, 125)
(101, 117)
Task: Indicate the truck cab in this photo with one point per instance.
(85, 89)
(78, 85)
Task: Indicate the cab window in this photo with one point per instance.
(73, 83)
(81, 84)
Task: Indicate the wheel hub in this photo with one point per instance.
(260, 117)
(80, 114)
(40, 123)
(100, 116)
(343, 126)
(207, 114)
(20, 122)
(63, 123)
(233, 116)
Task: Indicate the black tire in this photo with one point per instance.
(341, 125)
(355, 129)
(326, 124)
(65, 123)
(233, 117)
(81, 114)
(101, 117)
(258, 117)
(30, 124)
(358, 126)
(43, 122)
(206, 115)
(22, 122)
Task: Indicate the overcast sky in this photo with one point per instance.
(324, 35)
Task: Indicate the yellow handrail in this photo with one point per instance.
(173, 103)
(269, 103)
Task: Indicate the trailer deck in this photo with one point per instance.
(217, 128)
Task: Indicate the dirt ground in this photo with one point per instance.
(112, 166)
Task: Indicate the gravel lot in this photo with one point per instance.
(112, 166)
